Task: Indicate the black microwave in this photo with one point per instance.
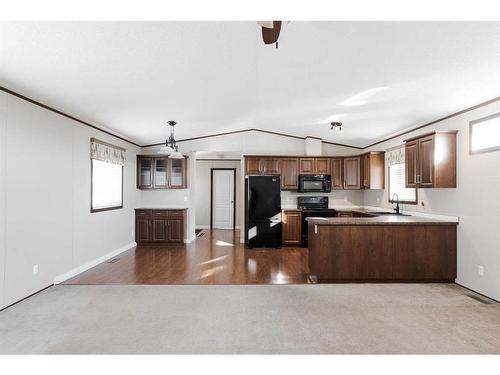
(310, 183)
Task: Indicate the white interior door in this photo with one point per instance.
(223, 199)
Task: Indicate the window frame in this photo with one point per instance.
(92, 209)
(415, 202)
(478, 121)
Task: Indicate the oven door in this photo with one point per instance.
(311, 184)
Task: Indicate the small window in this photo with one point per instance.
(485, 134)
(107, 186)
(397, 185)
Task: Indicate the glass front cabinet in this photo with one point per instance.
(161, 173)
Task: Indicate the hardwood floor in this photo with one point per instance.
(217, 257)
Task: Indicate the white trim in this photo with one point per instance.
(203, 227)
(189, 240)
(75, 271)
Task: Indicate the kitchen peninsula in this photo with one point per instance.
(385, 248)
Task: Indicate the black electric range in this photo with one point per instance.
(313, 207)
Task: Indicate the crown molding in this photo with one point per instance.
(4, 89)
(32, 101)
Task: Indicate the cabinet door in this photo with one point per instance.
(144, 172)
(366, 171)
(352, 173)
(292, 227)
(411, 166)
(159, 230)
(322, 166)
(252, 166)
(177, 173)
(289, 174)
(270, 166)
(306, 166)
(142, 230)
(426, 161)
(175, 230)
(160, 177)
(336, 172)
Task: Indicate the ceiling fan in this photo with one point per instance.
(270, 31)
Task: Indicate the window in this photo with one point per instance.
(397, 185)
(107, 186)
(485, 134)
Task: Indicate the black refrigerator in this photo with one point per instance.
(263, 211)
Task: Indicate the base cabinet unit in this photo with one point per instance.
(292, 227)
(389, 253)
(161, 173)
(431, 160)
(159, 225)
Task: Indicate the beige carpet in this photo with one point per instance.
(328, 318)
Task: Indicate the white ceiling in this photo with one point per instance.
(131, 77)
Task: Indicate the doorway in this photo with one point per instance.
(222, 198)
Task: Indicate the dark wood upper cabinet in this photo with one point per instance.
(270, 166)
(161, 173)
(373, 170)
(252, 165)
(306, 166)
(144, 172)
(352, 169)
(289, 174)
(322, 166)
(411, 152)
(292, 227)
(431, 160)
(336, 169)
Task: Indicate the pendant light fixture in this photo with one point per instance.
(171, 149)
(336, 127)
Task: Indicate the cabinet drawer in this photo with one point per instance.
(142, 213)
(175, 213)
(160, 213)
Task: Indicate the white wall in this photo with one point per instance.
(46, 186)
(202, 197)
(3, 119)
(475, 201)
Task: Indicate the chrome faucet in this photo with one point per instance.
(397, 203)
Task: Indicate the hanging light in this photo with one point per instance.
(170, 148)
(336, 127)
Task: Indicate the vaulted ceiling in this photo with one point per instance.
(378, 78)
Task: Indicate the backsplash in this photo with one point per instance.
(335, 198)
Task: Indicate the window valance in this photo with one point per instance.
(103, 151)
(395, 155)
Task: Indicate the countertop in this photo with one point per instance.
(378, 220)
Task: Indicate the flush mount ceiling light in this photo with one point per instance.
(171, 149)
(336, 127)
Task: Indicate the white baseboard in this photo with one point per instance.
(75, 271)
(189, 240)
(203, 227)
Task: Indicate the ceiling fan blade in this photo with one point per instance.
(268, 24)
(269, 35)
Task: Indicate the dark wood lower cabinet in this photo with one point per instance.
(407, 253)
(159, 225)
(292, 227)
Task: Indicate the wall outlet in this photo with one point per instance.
(480, 270)
(345, 199)
(185, 199)
(378, 200)
(35, 269)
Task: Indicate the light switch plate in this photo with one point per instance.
(35, 269)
